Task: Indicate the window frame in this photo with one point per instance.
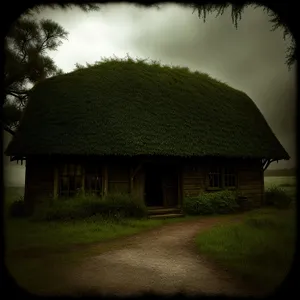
(91, 173)
(232, 174)
(65, 172)
(223, 173)
(214, 173)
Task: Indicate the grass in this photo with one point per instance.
(40, 253)
(288, 183)
(24, 235)
(260, 249)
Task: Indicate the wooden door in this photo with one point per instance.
(170, 188)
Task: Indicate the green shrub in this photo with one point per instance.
(224, 202)
(17, 208)
(277, 196)
(197, 205)
(123, 205)
(115, 206)
(221, 202)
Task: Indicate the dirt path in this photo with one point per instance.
(161, 261)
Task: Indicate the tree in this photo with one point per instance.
(26, 60)
(236, 14)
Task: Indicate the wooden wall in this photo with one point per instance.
(118, 177)
(139, 184)
(250, 179)
(38, 181)
(193, 178)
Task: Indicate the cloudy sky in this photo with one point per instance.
(250, 58)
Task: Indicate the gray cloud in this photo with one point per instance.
(250, 58)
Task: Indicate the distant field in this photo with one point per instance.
(286, 182)
(283, 181)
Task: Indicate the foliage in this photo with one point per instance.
(260, 249)
(237, 10)
(277, 196)
(113, 206)
(197, 206)
(221, 202)
(123, 205)
(86, 7)
(26, 60)
(17, 208)
(152, 109)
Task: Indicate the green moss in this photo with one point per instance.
(127, 107)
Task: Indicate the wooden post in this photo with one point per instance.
(55, 179)
(105, 180)
(179, 197)
(222, 170)
(131, 180)
(82, 178)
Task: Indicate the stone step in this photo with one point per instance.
(166, 216)
(162, 211)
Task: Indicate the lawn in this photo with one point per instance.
(39, 253)
(23, 235)
(260, 249)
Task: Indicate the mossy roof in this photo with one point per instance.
(129, 107)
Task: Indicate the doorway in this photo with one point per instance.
(153, 186)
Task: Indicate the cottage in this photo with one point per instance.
(158, 132)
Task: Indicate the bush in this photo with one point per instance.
(17, 208)
(277, 196)
(123, 205)
(198, 205)
(222, 202)
(114, 206)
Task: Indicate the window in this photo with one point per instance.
(214, 177)
(93, 180)
(70, 180)
(222, 177)
(229, 177)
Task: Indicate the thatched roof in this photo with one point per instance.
(124, 107)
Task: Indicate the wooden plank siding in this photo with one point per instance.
(138, 187)
(42, 177)
(251, 182)
(193, 179)
(39, 183)
(118, 177)
(250, 179)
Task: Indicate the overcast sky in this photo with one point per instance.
(250, 58)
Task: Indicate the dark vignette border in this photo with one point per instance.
(287, 10)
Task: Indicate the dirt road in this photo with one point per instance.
(163, 261)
